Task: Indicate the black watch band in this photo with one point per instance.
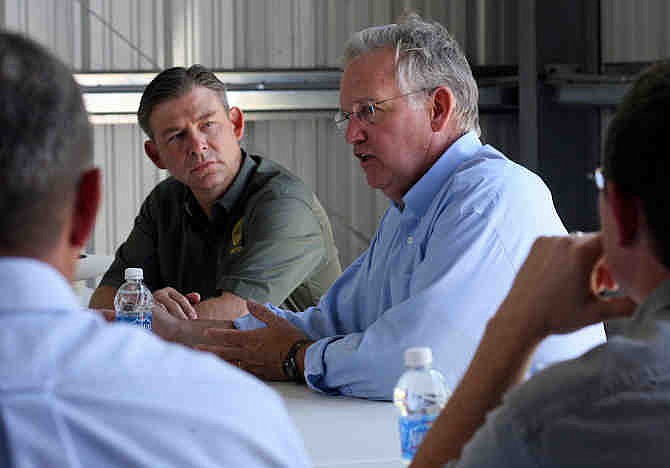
(290, 366)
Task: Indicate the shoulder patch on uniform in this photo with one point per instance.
(237, 237)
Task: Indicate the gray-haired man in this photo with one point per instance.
(461, 220)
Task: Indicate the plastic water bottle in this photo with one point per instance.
(133, 301)
(419, 395)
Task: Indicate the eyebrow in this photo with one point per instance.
(203, 116)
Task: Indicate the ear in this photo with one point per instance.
(627, 212)
(442, 108)
(87, 202)
(237, 119)
(152, 151)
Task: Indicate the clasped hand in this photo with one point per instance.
(260, 351)
(552, 292)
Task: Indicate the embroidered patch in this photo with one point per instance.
(237, 237)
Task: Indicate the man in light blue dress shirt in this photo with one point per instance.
(461, 220)
(74, 390)
(609, 407)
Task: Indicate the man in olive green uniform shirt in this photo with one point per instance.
(226, 225)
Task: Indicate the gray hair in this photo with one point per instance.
(45, 145)
(176, 82)
(427, 57)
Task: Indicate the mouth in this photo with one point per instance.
(363, 156)
(202, 166)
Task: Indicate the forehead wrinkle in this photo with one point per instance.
(364, 87)
(175, 123)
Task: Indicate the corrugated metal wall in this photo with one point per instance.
(133, 35)
(635, 31)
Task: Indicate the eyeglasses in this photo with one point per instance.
(598, 178)
(366, 112)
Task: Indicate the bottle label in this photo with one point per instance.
(412, 431)
(141, 318)
(147, 320)
(127, 318)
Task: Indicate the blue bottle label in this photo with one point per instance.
(147, 321)
(126, 318)
(144, 320)
(412, 431)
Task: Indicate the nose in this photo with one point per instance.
(197, 144)
(355, 132)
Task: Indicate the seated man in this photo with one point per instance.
(75, 391)
(611, 406)
(460, 223)
(227, 223)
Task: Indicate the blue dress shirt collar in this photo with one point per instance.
(421, 195)
(27, 283)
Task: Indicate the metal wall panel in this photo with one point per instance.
(128, 177)
(124, 34)
(635, 31)
(55, 24)
(502, 132)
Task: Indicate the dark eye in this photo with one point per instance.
(367, 111)
(175, 137)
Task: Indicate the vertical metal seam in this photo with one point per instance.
(85, 35)
(168, 32)
(528, 90)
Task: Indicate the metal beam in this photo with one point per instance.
(114, 97)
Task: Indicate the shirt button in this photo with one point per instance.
(410, 240)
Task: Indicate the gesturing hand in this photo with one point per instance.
(260, 351)
(552, 291)
(178, 304)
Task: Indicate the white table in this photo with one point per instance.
(89, 266)
(342, 432)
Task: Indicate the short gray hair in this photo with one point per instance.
(45, 145)
(427, 57)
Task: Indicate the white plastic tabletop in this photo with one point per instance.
(341, 432)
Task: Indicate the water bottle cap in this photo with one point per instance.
(134, 274)
(418, 357)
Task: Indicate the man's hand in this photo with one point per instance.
(227, 306)
(107, 314)
(178, 304)
(167, 326)
(260, 351)
(552, 292)
(164, 325)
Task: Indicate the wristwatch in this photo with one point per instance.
(290, 366)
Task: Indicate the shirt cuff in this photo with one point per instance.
(315, 367)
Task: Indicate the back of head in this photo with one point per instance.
(175, 82)
(45, 145)
(634, 155)
(427, 56)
